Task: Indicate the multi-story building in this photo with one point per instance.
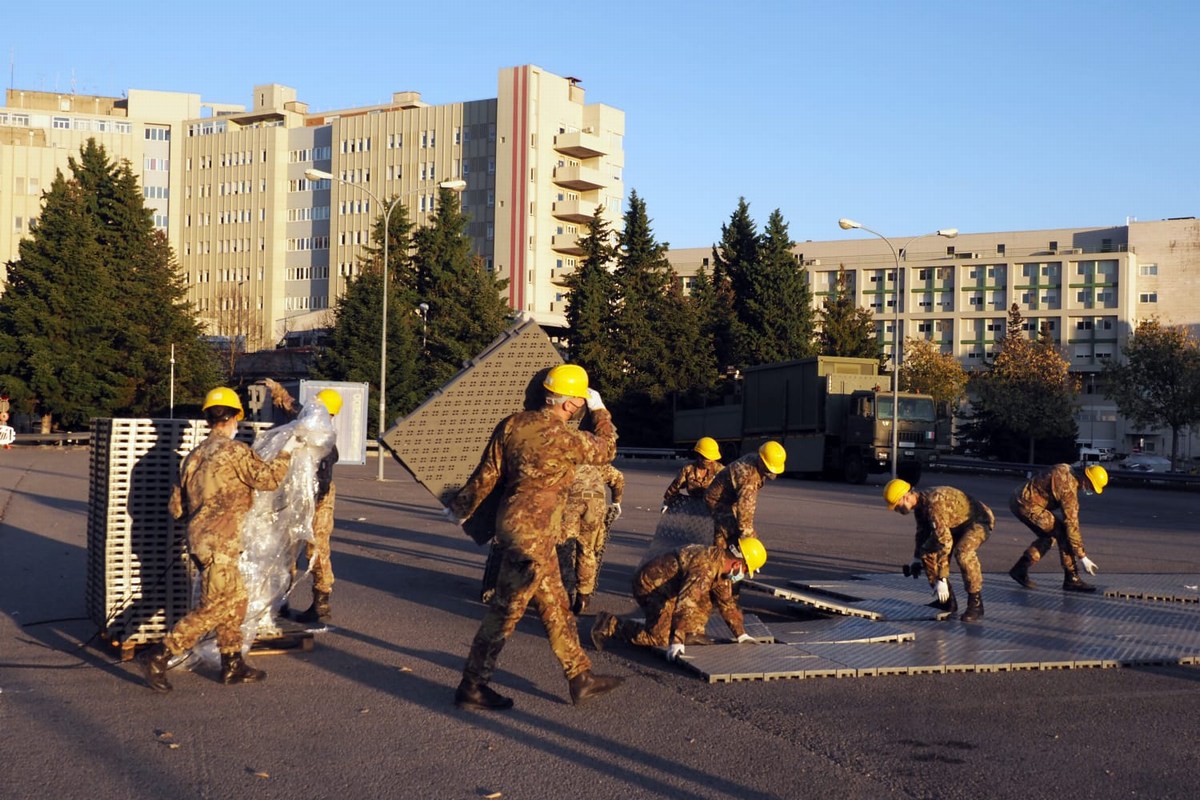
(1087, 288)
(266, 251)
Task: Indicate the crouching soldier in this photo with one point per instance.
(677, 591)
(947, 521)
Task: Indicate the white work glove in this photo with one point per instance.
(745, 637)
(450, 516)
(942, 590)
(663, 510)
(1089, 565)
(617, 506)
(674, 651)
(594, 403)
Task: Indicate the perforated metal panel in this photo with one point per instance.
(139, 578)
(1021, 630)
(440, 442)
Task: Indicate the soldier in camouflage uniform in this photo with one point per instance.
(534, 454)
(947, 521)
(1034, 503)
(585, 525)
(214, 490)
(732, 497)
(677, 590)
(695, 477)
(318, 550)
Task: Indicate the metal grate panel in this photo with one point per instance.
(440, 442)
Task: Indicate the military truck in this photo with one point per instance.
(833, 415)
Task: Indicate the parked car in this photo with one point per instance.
(1142, 462)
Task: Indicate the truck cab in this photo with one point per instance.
(867, 437)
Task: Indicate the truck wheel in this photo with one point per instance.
(853, 469)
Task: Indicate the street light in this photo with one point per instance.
(948, 233)
(319, 175)
(423, 310)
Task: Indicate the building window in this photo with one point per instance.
(1148, 269)
(1148, 297)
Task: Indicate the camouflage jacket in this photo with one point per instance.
(943, 515)
(735, 491)
(215, 488)
(1057, 487)
(533, 455)
(694, 478)
(693, 575)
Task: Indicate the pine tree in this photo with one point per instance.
(353, 350)
(591, 307)
(712, 299)
(466, 312)
(735, 268)
(846, 330)
(778, 303)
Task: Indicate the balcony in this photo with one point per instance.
(567, 243)
(574, 210)
(580, 144)
(578, 178)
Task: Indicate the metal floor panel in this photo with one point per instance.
(1041, 629)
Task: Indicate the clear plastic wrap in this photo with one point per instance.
(278, 524)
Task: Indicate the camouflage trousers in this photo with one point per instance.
(584, 529)
(527, 574)
(318, 550)
(1049, 529)
(965, 554)
(662, 607)
(222, 608)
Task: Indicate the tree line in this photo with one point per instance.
(95, 301)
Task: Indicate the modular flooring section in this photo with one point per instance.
(880, 625)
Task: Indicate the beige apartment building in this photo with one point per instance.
(1087, 287)
(266, 251)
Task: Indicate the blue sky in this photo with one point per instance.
(906, 116)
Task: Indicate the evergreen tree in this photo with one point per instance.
(466, 312)
(656, 333)
(94, 305)
(735, 269)
(353, 350)
(777, 307)
(846, 330)
(591, 307)
(1157, 382)
(712, 300)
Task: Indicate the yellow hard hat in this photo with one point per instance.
(569, 380)
(707, 447)
(773, 456)
(1097, 476)
(894, 492)
(331, 400)
(751, 551)
(225, 397)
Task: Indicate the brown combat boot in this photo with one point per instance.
(319, 611)
(234, 669)
(950, 605)
(974, 611)
(1073, 583)
(585, 685)
(155, 663)
(582, 601)
(603, 629)
(480, 695)
(1020, 572)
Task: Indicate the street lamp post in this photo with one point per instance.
(319, 175)
(423, 310)
(948, 233)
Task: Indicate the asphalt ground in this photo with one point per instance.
(368, 712)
